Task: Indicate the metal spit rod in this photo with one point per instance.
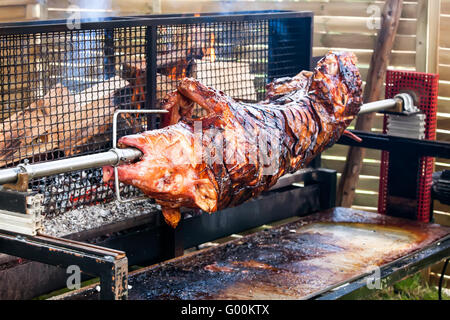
(116, 156)
(377, 106)
(113, 157)
(38, 170)
(404, 100)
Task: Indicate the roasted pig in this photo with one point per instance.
(239, 150)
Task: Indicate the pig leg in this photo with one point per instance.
(172, 215)
(180, 102)
(213, 101)
(178, 107)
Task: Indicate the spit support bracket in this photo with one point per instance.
(114, 149)
(23, 179)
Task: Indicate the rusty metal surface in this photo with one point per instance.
(289, 262)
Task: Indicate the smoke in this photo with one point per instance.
(84, 54)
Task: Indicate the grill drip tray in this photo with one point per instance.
(295, 261)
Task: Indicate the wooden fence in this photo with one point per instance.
(21, 10)
(60, 9)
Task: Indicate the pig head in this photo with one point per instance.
(169, 171)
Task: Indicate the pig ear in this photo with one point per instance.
(212, 100)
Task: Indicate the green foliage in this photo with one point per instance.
(412, 288)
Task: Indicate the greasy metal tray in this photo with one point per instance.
(295, 261)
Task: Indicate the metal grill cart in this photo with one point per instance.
(70, 90)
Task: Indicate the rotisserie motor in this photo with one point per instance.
(239, 150)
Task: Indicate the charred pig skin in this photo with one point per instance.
(239, 150)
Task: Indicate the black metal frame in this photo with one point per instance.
(149, 20)
(110, 265)
(404, 163)
(421, 148)
(155, 241)
(151, 240)
(358, 287)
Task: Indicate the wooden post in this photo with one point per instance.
(427, 49)
(421, 35)
(390, 19)
(433, 34)
(427, 35)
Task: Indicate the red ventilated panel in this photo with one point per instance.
(425, 85)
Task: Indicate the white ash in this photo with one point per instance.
(89, 217)
(66, 191)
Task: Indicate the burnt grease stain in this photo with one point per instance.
(287, 262)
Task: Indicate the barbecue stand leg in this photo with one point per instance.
(114, 281)
(110, 265)
(327, 179)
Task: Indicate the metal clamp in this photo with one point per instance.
(116, 173)
(408, 102)
(23, 179)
